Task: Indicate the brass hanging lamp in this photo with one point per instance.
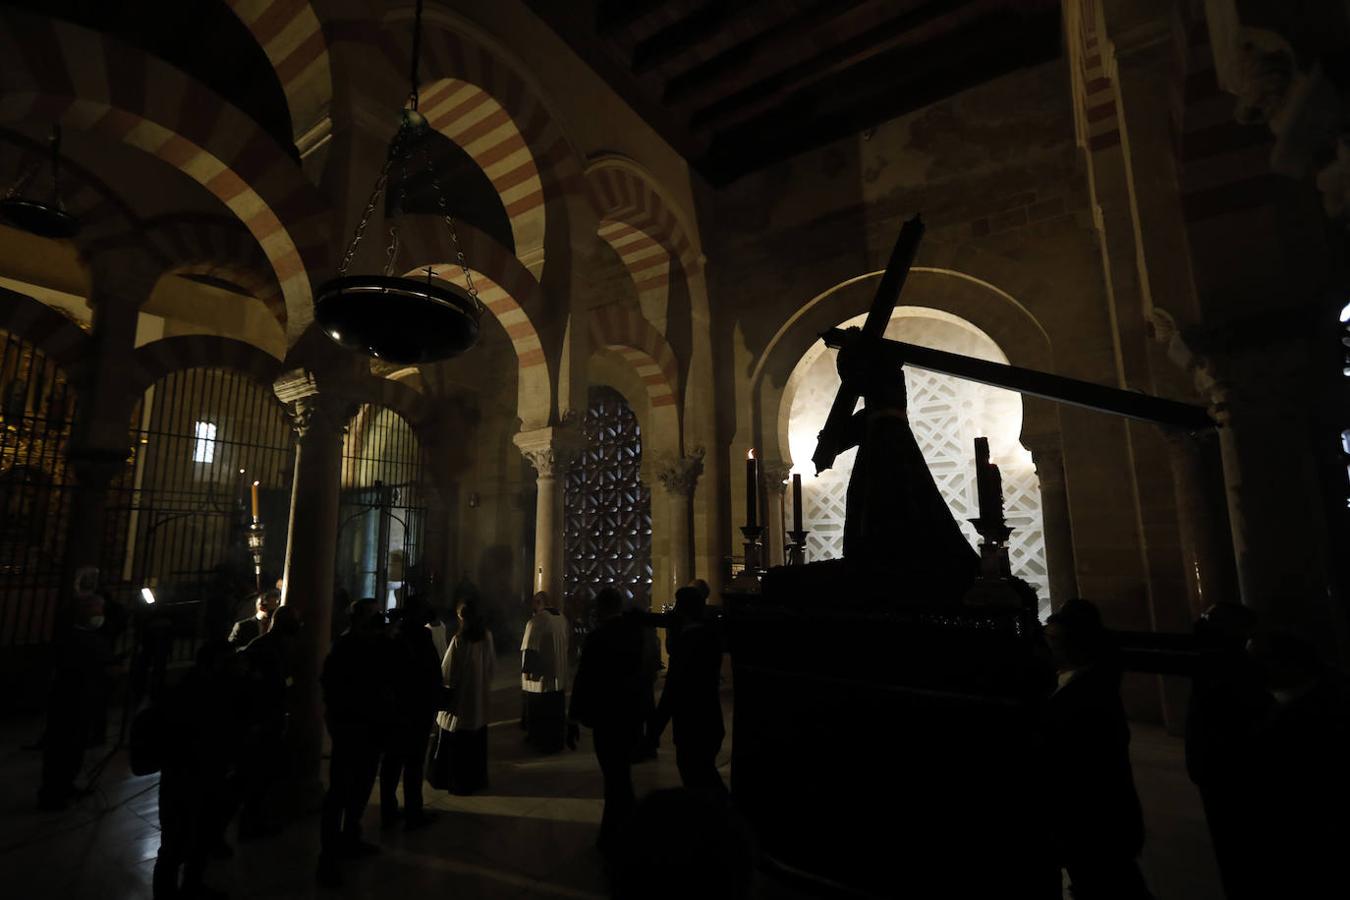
(48, 218)
(389, 316)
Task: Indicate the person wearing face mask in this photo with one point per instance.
(79, 690)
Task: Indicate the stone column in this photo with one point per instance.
(100, 436)
(776, 472)
(1048, 458)
(549, 450)
(680, 476)
(1206, 547)
(311, 550)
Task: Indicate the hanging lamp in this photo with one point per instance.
(45, 219)
(389, 316)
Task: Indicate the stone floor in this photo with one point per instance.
(529, 836)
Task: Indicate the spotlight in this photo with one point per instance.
(148, 596)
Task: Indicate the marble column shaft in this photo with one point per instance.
(680, 477)
(1048, 458)
(311, 550)
(548, 450)
(776, 473)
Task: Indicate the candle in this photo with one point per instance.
(751, 489)
(797, 501)
(255, 501)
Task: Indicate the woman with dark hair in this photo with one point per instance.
(460, 763)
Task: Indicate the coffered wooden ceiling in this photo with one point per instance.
(735, 85)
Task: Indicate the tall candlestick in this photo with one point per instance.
(751, 489)
(255, 501)
(797, 501)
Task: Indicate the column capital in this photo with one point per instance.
(96, 467)
(549, 449)
(310, 410)
(679, 474)
(1047, 455)
(776, 474)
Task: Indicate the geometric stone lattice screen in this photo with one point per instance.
(607, 519)
(946, 415)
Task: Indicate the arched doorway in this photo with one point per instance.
(607, 530)
(178, 515)
(382, 514)
(946, 414)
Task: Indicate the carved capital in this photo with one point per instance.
(549, 450)
(1047, 455)
(680, 474)
(776, 474)
(311, 412)
(96, 467)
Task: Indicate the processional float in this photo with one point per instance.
(885, 703)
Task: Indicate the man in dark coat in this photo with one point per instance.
(1228, 705)
(691, 696)
(78, 695)
(268, 676)
(256, 625)
(356, 710)
(202, 727)
(415, 673)
(1096, 821)
(607, 698)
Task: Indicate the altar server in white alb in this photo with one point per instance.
(543, 675)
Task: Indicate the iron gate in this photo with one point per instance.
(201, 437)
(37, 407)
(382, 516)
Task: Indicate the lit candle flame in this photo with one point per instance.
(750, 454)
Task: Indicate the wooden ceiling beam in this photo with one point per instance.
(615, 16)
(861, 98)
(738, 64)
(690, 33)
(928, 23)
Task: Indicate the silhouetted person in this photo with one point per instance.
(684, 844)
(268, 675)
(78, 695)
(1228, 704)
(1302, 761)
(607, 698)
(466, 671)
(543, 674)
(415, 671)
(1095, 818)
(691, 697)
(356, 710)
(647, 741)
(256, 625)
(201, 731)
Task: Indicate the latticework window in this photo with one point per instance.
(607, 536)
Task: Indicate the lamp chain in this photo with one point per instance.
(416, 53)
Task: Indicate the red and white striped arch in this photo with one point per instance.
(626, 332)
(473, 97)
(290, 34)
(508, 290)
(220, 248)
(54, 71)
(641, 228)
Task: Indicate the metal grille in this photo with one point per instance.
(383, 511)
(607, 537)
(37, 407)
(176, 518)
